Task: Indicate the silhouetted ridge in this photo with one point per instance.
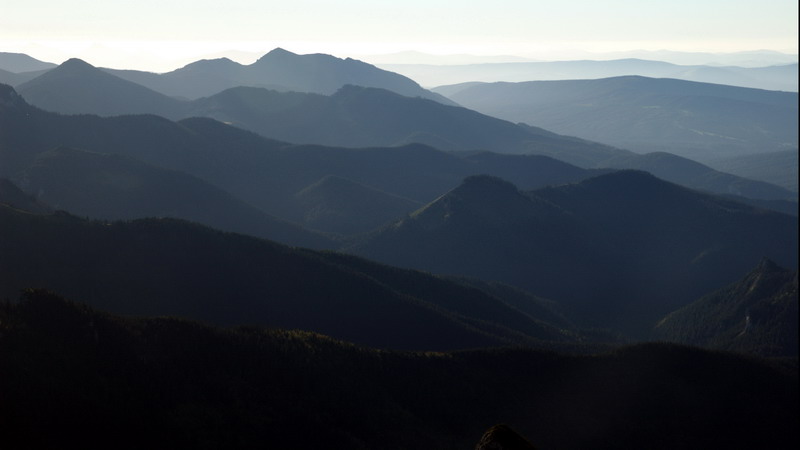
(9, 97)
(767, 265)
(218, 63)
(502, 437)
(20, 63)
(483, 198)
(487, 183)
(77, 87)
(76, 64)
(623, 179)
(635, 188)
(277, 52)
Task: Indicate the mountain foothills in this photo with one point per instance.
(757, 314)
(188, 385)
(453, 274)
(117, 187)
(640, 246)
(169, 267)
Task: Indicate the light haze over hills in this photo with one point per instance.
(224, 199)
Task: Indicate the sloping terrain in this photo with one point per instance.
(261, 172)
(76, 87)
(114, 187)
(170, 267)
(616, 248)
(757, 314)
(340, 205)
(76, 377)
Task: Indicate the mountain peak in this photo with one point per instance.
(478, 196)
(767, 265)
(276, 53)
(76, 63)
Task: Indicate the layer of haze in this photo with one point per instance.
(161, 35)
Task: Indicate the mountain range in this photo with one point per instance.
(226, 298)
(176, 268)
(264, 173)
(278, 70)
(362, 117)
(700, 121)
(755, 58)
(641, 247)
(781, 77)
(180, 166)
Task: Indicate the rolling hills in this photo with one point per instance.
(113, 187)
(170, 267)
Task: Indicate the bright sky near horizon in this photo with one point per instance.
(163, 34)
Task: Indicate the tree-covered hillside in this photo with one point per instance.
(76, 377)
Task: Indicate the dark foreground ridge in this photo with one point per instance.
(502, 437)
(73, 376)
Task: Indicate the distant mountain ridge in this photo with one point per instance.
(368, 117)
(280, 70)
(700, 121)
(21, 63)
(76, 87)
(779, 77)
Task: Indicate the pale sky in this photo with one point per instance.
(162, 35)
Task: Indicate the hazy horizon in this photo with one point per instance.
(161, 36)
